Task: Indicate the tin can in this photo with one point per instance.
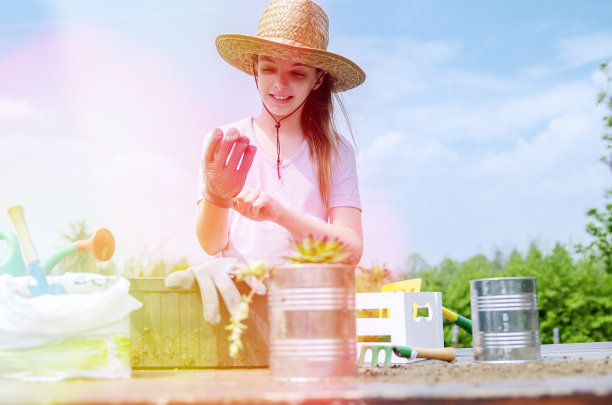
(311, 307)
(505, 319)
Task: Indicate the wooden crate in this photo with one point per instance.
(169, 331)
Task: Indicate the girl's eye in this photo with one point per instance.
(298, 74)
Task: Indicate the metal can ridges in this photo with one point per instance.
(300, 299)
(507, 302)
(507, 339)
(318, 349)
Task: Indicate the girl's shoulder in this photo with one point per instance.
(345, 147)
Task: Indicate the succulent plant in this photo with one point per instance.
(318, 250)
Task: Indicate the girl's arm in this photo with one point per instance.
(226, 161)
(345, 222)
(212, 227)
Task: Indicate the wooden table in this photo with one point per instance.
(254, 386)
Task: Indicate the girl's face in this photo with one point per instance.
(283, 85)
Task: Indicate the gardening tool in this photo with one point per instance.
(101, 245)
(41, 287)
(445, 354)
(12, 262)
(414, 285)
(461, 321)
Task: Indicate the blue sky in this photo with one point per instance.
(477, 127)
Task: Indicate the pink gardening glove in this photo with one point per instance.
(224, 181)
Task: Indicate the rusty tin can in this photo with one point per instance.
(311, 307)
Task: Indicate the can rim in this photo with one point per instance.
(310, 265)
(502, 278)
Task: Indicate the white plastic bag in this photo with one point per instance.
(84, 333)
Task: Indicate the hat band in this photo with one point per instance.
(290, 42)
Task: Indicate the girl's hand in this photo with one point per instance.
(256, 205)
(224, 181)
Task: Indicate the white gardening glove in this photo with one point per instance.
(211, 276)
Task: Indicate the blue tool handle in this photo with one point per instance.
(38, 273)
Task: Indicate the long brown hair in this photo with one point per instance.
(319, 126)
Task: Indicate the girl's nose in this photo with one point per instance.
(281, 80)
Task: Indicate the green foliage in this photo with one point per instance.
(600, 248)
(574, 295)
(600, 228)
(605, 97)
(413, 266)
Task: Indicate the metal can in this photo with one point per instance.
(311, 308)
(505, 319)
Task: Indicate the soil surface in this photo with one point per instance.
(432, 372)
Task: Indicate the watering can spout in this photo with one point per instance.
(12, 262)
(101, 245)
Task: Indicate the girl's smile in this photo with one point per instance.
(280, 99)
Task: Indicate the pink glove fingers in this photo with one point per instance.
(224, 182)
(225, 147)
(213, 142)
(249, 155)
(239, 147)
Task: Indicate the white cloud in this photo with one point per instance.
(577, 51)
(568, 140)
(11, 109)
(397, 65)
(496, 119)
(410, 152)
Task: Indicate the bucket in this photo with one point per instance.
(505, 319)
(311, 307)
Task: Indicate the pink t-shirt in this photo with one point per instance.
(297, 188)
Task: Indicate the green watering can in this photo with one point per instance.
(12, 263)
(101, 245)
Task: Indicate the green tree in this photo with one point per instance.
(574, 294)
(412, 267)
(600, 227)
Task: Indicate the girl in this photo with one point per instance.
(287, 173)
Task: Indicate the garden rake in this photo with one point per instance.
(445, 354)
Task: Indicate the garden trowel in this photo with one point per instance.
(31, 257)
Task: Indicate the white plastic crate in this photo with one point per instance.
(403, 327)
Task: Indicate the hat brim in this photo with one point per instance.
(238, 51)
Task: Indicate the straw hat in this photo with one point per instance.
(297, 30)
